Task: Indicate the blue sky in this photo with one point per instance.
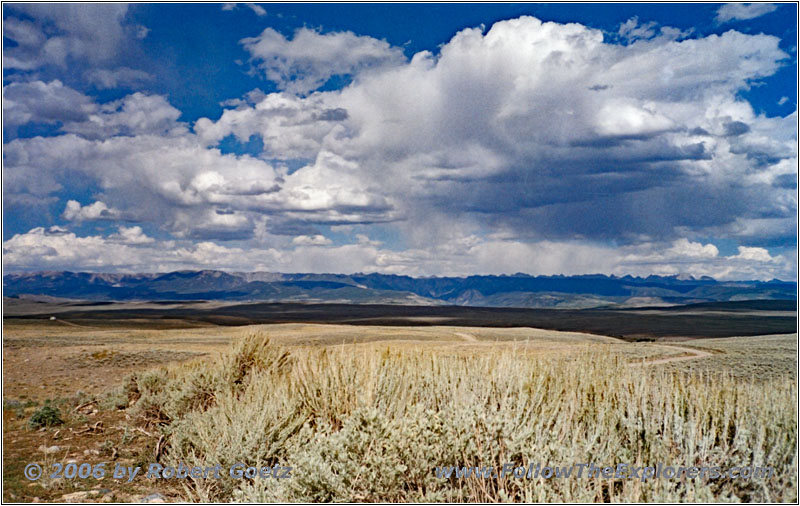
(423, 139)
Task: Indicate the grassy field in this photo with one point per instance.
(367, 413)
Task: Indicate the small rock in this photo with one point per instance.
(154, 498)
(107, 498)
(75, 497)
(49, 449)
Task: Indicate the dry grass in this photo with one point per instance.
(121, 359)
(370, 422)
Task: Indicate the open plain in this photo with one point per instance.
(140, 390)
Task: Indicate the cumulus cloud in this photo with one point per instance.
(41, 102)
(312, 240)
(208, 223)
(290, 127)
(697, 259)
(685, 248)
(55, 103)
(126, 251)
(741, 12)
(131, 235)
(310, 58)
(529, 147)
(150, 168)
(756, 254)
(130, 249)
(94, 211)
(503, 125)
(135, 114)
(56, 34)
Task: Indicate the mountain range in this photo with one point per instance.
(517, 290)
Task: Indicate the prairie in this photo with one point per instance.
(366, 413)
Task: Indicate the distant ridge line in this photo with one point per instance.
(516, 290)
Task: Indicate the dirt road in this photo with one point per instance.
(693, 354)
(466, 337)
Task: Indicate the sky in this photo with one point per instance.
(417, 139)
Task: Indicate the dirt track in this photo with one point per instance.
(466, 337)
(694, 354)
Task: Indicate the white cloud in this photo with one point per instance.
(290, 127)
(131, 250)
(740, 11)
(62, 33)
(308, 60)
(95, 211)
(203, 222)
(41, 102)
(151, 169)
(312, 240)
(632, 30)
(539, 125)
(686, 257)
(260, 11)
(755, 254)
(105, 79)
(134, 114)
(131, 235)
(126, 251)
(684, 247)
(527, 147)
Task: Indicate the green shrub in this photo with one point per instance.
(46, 416)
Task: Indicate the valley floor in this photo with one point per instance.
(72, 365)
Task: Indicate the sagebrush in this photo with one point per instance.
(367, 425)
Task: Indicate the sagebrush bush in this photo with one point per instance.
(364, 425)
(46, 416)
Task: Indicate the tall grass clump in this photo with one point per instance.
(366, 425)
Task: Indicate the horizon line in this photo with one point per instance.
(686, 277)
